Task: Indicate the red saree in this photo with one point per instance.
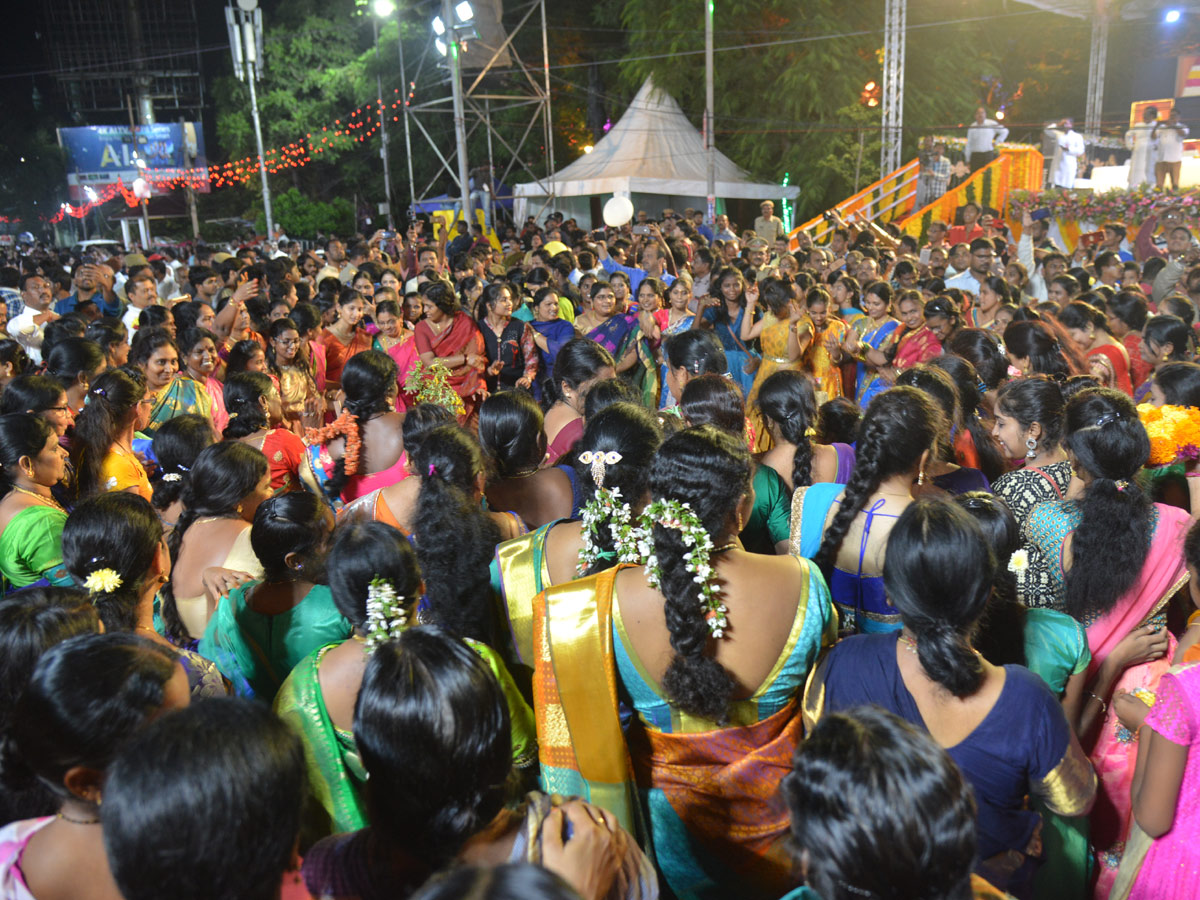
(1117, 360)
(337, 353)
(461, 337)
(916, 347)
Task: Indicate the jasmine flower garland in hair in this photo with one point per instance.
(386, 615)
(698, 558)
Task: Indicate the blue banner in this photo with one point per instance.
(100, 154)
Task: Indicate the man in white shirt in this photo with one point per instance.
(141, 291)
(1170, 135)
(1140, 140)
(26, 327)
(982, 137)
(1068, 147)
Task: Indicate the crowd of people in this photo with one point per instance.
(652, 561)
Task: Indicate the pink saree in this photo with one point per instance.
(1115, 751)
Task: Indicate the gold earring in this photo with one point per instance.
(239, 509)
(921, 477)
(739, 522)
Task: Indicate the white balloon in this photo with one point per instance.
(618, 211)
(141, 188)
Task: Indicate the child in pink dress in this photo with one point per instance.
(1171, 868)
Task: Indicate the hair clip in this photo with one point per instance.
(432, 470)
(172, 477)
(599, 461)
(1105, 419)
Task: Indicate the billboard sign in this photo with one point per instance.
(100, 154)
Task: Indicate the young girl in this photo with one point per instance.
(1166, 782)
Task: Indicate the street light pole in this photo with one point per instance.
(460, 129)
(245, 35)
(383, 133)
(709, 144)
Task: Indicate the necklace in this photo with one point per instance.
(145, 628)
(42, 498)
(910, 644)
(66, 818)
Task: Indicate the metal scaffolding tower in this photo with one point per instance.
(895, 21)
(1095, 94)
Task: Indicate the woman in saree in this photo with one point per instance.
(612, 464)
(266, 627)
(550, 334)
(784, 334)
(368, 562)
(879, 334)
(301, 404)
(113, 546)
(157, 355)
(118, 407)
(220, 495)
(824, 357)
(845, 530)
(943, 470)
(450, 336)
(580, 364)
(1002, 726)
(1127, 312)
(345, 337)
(362, 450)
(620, 333)
(1165, 340)
(1088, 327)
(199, 361)
(256, 419)
(706, 710)
(31, 520)
(789, 410)
(1116, 559)
(676, 318)
(723, 311)
(508, 341)
(433, 690)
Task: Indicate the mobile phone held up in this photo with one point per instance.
(1038, 214)
(641, 229)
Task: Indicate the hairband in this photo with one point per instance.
(1106, 418)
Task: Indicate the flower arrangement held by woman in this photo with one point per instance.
(450, 336)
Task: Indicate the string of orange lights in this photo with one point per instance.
(356, 127)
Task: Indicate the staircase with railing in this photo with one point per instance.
(893, 198)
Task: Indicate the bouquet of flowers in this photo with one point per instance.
(431, 384)
(1130, 206)
(1174, 432)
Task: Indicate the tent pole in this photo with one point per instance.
(709, 142)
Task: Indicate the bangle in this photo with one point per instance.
(1103, 705)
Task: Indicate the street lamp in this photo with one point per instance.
(383, 8)
(461, 18)
(245, 42)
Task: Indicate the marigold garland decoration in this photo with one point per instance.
(1174, 432)
(344, 426)
(431, 384)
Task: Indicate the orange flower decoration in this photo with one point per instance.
(1174, 432)
(344, 426)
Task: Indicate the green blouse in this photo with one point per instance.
(31, 547)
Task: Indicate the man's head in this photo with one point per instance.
(937, 232)
(756, 253)
(1039, 230)
(1179, 239)
(1149, 114)
(206, 283)
(980, 115)
(722, 221)
(839, 240)
(1067, 124)
(142, 290)
(335, 251)
(427, 258)
(939, 150)
(1108, 266)
(970, 214)
(983, 254)
(1114, 233)
(358, 254)
(1173, 115)
(960, 257)
(767, 208)
(702, 261)
(1053, 265)
(641, 217)
(36, 292)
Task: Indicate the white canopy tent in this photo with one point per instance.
(654, 156)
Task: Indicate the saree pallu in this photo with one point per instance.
(338, 354)
(519, 573)
(662, 317)
(868, 383)
(461, 337)
(774, 342)
(618, 335)
(737, 354)
(182, 396)
(817, 361)
(715, 793)
(1114, 754)
(916, 347)
(1115, 361)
